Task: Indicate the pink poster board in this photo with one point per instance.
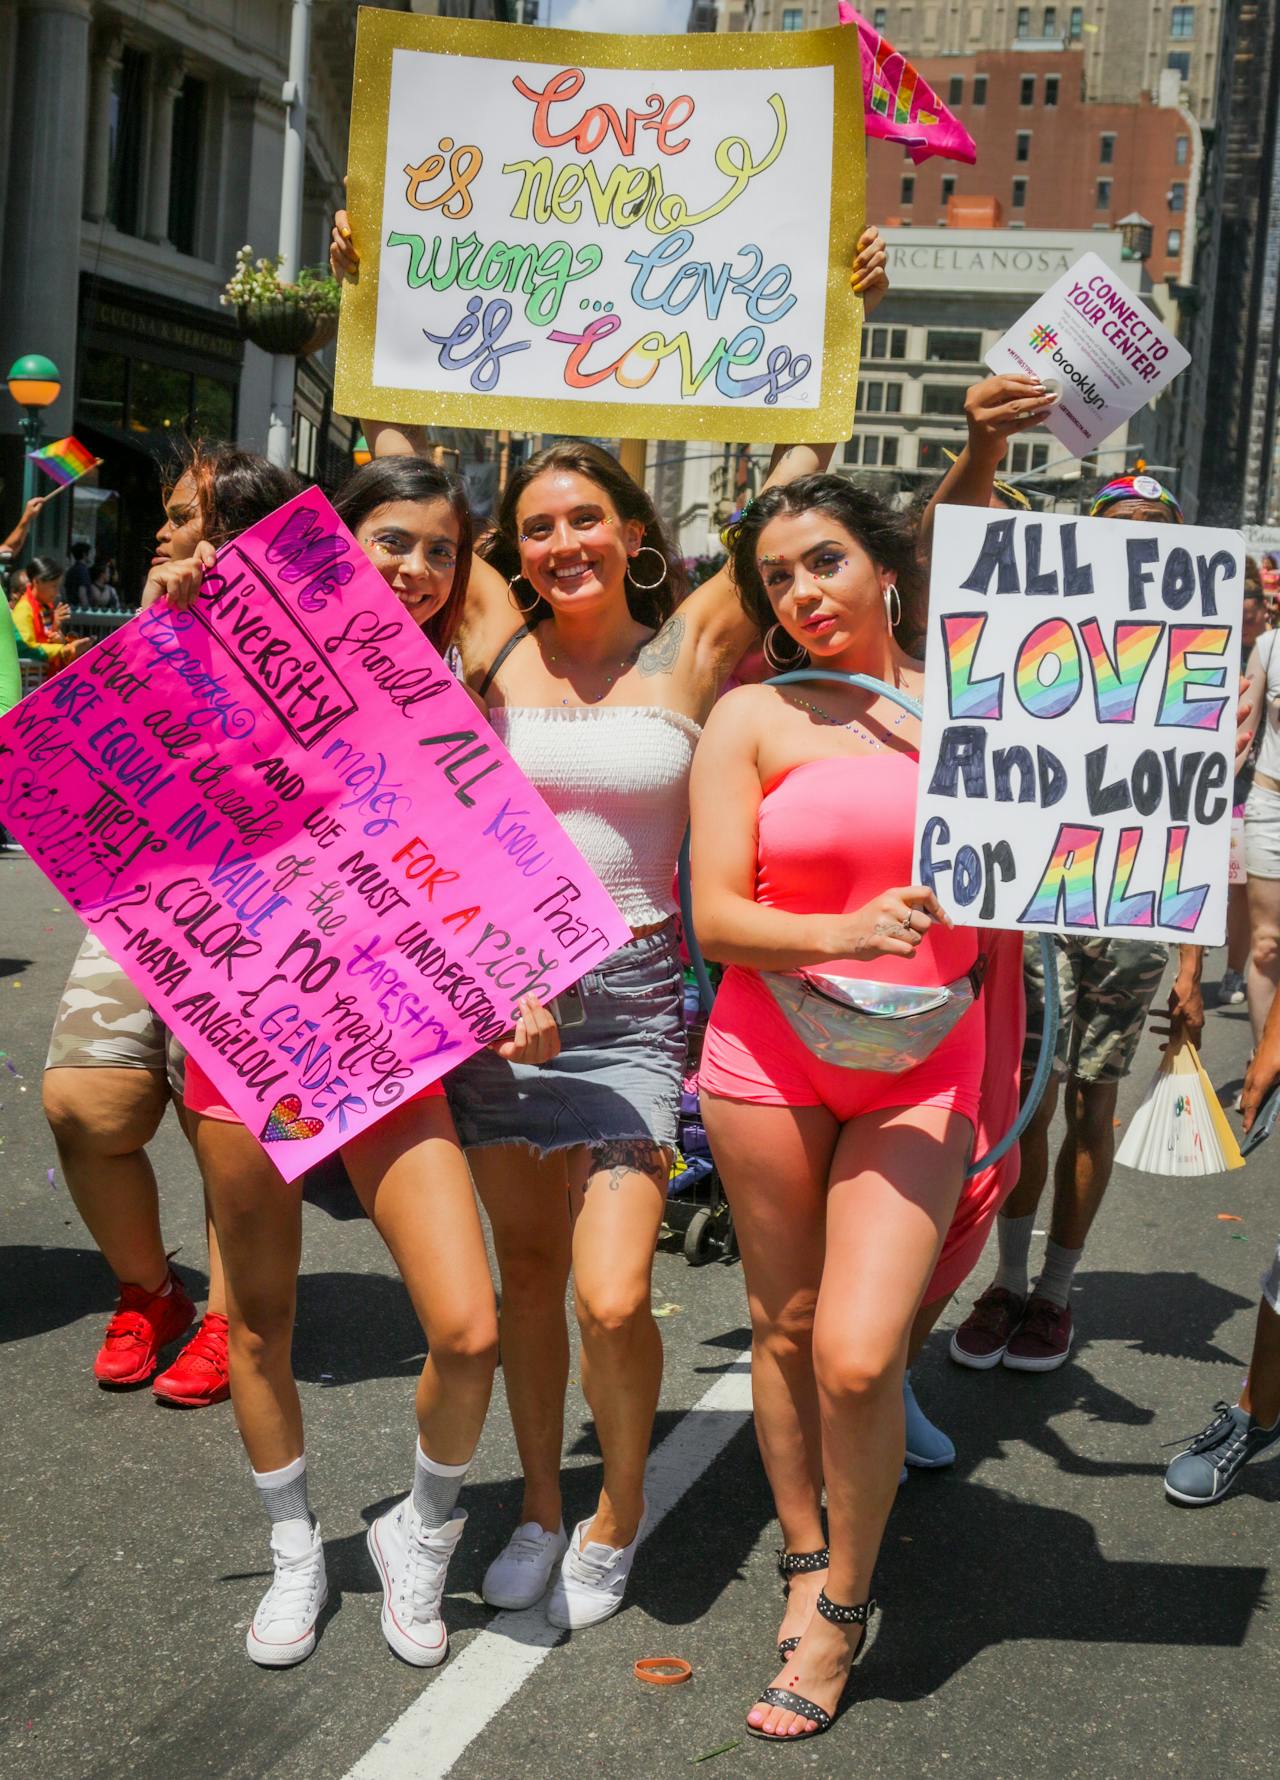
(295, 832)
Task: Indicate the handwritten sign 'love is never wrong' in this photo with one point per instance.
(616, 236)
(1079, 724)
(294, 831)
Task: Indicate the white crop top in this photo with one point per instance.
(616, 778)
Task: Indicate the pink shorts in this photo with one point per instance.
(751, 1055)
(200, 1096)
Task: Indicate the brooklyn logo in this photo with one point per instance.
(1043, 338)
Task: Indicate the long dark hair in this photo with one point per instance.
(651, 606)
(389, 479)
(887, 536)
(235, 488)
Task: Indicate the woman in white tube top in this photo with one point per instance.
(599, 694)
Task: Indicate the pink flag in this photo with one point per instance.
(902, 107)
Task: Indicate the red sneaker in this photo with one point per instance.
(1043, 1338)
(143, 1323)
(983, 1336)
(199, 1374)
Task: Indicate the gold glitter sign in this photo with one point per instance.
(637, 237)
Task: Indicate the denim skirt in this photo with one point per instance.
(617, 1077)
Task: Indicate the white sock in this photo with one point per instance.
(1014, 1237)
(284, 1493)
(1060, 1264)
(436, 1488)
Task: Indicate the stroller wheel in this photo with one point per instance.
(699, 1238)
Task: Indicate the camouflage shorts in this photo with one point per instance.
(103, 1022)
(1105, 987)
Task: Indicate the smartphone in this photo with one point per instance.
(567, 1009)
(1265, 1123)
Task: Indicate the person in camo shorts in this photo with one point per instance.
(1105, 988)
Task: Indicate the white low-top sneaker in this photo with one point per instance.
(413, 1562)
(284, 1627)
(592, 1580)
(519, 1575)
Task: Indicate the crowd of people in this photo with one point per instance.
(855, 1206)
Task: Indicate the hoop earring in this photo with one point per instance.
(517, 602)
(780, 664)
(648, 586)
(892, 606)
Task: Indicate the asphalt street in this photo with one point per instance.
(1045, 1611)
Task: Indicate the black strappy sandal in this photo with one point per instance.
(797, 1563)
(787, 1701)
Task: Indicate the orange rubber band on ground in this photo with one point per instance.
(651, 1669)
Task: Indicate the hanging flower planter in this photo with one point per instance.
(291, 319)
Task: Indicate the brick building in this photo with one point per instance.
(1050, 158)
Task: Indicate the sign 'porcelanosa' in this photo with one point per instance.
(1079, 724)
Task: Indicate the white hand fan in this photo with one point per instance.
(1180, 1128)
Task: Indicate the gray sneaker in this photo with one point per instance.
(1215, 1458)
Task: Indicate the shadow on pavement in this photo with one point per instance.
(46, 1288)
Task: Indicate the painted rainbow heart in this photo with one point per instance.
(283, 1124)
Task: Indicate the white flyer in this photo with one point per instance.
(1104, 349)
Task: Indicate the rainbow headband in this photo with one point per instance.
(1134, 488)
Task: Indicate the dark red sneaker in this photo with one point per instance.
(199, 1374)
(143, 1323)
(1042, 1340)
(983, 1336)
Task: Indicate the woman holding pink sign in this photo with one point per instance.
(409, 1174)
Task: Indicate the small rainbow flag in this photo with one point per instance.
(66, 460)
(899, 103)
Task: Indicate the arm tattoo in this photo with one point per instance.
(629, 1155)
(659, 654)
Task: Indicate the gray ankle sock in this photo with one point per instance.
(1060, 1264)
(436, 1488)
(284, 1492)
(1014, 1236)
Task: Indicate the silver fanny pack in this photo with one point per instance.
(858, 1024)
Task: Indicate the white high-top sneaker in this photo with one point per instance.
(284, 1627)
(413, 1563)
(519, 1575)
(592, 1580)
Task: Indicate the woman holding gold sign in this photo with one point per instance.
(599, 687)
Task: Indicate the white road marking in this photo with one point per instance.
(451, 1712)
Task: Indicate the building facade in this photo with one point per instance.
(142, 147)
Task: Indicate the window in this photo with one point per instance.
(942, 398)
(955, 90)
(871, 448)
(1051, 84)
(875, 398)
(160, 400)
(793, 18)
(1177, 196)
(1019, 199)
(1050, 21)
(889, 343)
(948, 188)
(948, 347)
(851, 449)
(1181, 61)
(1106, 150)
(897, 343)
(1075, 29)
(1022, 146)
(1024, 21)
(214, 414)
(1181, 149)
(1182, 21)
(979, 89)
(1173, 241)
(1018, 456)
(125, 137)
(877, 343)
(1027, 90)
(931, 454)
(1102, 197)
(1039, 456)
(184, 166)
(880, 17)
(908, 193)
(100, 397)
(889, 449)
(893, 398)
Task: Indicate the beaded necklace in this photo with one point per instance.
(850, 723)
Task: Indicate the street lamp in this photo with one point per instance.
(34, 383)
(1135, 236)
